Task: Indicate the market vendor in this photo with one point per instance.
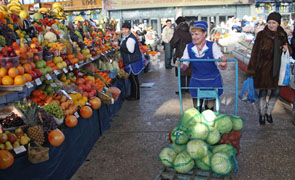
(204, 74)
(4, 2)
(132, 60)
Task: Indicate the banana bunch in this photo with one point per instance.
(43, 11)
(79, 18)
(58, 11)
(3, 8)
(14, 7)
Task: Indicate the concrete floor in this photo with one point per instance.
(129, 149)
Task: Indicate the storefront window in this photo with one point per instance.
(45, 1)
(28, 1)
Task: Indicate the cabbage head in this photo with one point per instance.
(214, 136)
(208, 117)
(177, 136)
(178, 148)
(223, 123)
(197, 149)
(221, 163)
(189, 118)
(237, 123)
(167, 156)
(200, 130)
(229, 150)
(183, 163)
(204, 163)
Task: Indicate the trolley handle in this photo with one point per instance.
(209, 60)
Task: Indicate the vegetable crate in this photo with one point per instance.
(195, 174)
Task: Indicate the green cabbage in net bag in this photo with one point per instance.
(223, 123)
(178, 148)
(167, 156)
(183, 163)
(178, 136)
(221, 163)
(225, 148)
(197, 149)
(200, 131)
(237, 123)
(214, 136)
(208, 117)
(204, 163)
(189, 118)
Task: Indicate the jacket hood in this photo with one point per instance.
(183, 27)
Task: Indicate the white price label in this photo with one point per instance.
(19, 149)
(71, 68)
(102, 54)
(77, 66)
(77, 115)
(80, 74)
(112, 101)
(38, 81)
(48, 77)
(65, 70)
(92, 59)
(29, 85)
(53, 85)
(56, 72)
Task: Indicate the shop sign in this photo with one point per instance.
(133, 4)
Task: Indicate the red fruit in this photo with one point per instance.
(90, 94)
(56, 137)
(81, 86)
(33, 74)
(86, 112)
(88, 87)
(95, 103)
(9, 49)
(38, 72)
(12, 54)
(80, 81)
(9, 65)
(93, 91)
(71, 121)
(85, 94)
(6, 159)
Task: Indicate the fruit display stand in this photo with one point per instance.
(68, 81)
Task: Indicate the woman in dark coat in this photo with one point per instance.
(180, 39)
(265, 62)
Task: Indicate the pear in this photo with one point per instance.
(24, 140)
(8, 146)
(2, 146)
(16, 144)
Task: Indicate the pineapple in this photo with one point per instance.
(35, 130)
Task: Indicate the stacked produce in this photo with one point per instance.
(201, 141)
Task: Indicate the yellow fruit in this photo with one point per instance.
(3, 72)
(19, 80)
(23, 14)
(13, 72)
(7, 80)
(79, 96)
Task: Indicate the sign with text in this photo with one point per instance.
(132, 4)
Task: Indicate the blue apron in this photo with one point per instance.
(205, 74)
(135, 67)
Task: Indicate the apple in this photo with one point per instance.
(85, 94)
(63, 56)
(12, 138)
(9, 65)
(19, 132)
(33, 74)
(81, 86)
(88, 87)
(38, 72)
(93, 91)
(44, 71)
(90, 94)
(3, 138)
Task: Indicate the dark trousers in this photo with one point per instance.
(135, 91)
(168, 55)
(185, 82)
(266, 107)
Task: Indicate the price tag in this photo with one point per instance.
(65, 70)
(92, 59)
(71, 68)
(29, 85)
(112, 101)
(102, 54)
(77, 115)
(20, 149)
(56, 72)
(80, 74)
(53, 85)
(38, 81)
(48, 77)
(77, 66)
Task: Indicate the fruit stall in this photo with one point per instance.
(61, 82)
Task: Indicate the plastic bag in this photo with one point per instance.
(285, 70)
(248, 93)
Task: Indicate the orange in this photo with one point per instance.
(27, 67)
(28, 77)
(3, 72)
(33, 65)
(7, 80)
(13, 72)
(20, 69)
(19, 80)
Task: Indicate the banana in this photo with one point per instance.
(57, 5)
(15, 8)
(43, 10)
(13, 4)
(3, 8)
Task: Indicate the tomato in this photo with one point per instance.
(6, 159)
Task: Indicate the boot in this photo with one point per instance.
(269, 118)
(261, 120)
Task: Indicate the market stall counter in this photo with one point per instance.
(66, 159)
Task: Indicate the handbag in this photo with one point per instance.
(285, 69)
(248, 93)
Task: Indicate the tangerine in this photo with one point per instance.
(19, 80)
(20, 69)
(13, 72)
(3, 72)
(7, 80)
(27, 67)
(28, 77)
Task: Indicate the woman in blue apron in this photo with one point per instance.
(205, 74)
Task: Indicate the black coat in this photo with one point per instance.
(180, 39)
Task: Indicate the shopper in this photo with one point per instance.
(293, 44)
(132, 60)
(167, 36)
(180, 39)
(3, 2)
(204, 74)
(265, 62)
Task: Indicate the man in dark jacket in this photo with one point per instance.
(180, 39)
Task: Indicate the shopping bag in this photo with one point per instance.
(248, 93)
(285, 70)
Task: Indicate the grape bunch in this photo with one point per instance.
(12, 120)
(49, 123)
(8, 34)
(74, 36)
(53, 108)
